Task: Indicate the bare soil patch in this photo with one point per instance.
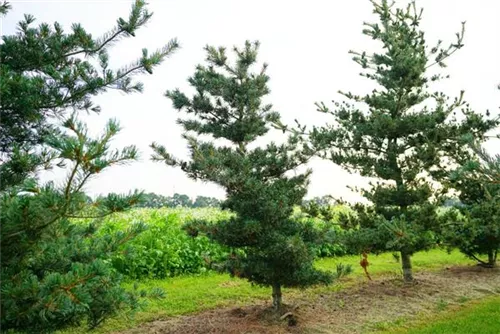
(357, 309)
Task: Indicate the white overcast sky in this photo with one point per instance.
(306, 44)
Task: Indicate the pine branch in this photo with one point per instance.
(138, 17)
(444, 54)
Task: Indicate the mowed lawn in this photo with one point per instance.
(481, 317)
(191, 294)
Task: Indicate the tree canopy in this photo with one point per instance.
(55, 272)
(402, 134)
(261, 186)
(46, 72)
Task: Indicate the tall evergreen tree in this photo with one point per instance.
(56, 273)
(270, 249)
(401, 133)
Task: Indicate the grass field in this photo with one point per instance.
(191, 294)
(480, 317)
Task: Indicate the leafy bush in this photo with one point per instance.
(327, 218)
(168, 248)
(165, 249)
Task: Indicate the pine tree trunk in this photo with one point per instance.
(277, 296)
(492, 258)
(407, 270)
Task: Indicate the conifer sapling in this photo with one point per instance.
(402, 134)
(269, 248)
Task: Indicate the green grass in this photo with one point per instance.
(197, 293)
(185, 294)
(386, 263)
(481, 317)
(191, 294)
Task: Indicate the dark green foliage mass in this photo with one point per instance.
(476, 232)
(401, 134)
(56, 274)
(152, 200)
(204, 202)
(165, 250)
(269, 247)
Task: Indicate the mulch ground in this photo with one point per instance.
(357, 309)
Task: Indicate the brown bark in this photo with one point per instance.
(492, 258)
(407, 269)
(277, 296)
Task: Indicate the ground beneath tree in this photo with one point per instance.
(358, 309)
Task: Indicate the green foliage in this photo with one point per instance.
(152, 200)
(323, 208)
(326, 219)
(191, 294)
(172, 244)
(270, 248)
(204, 201)
(328, 247)
(56, 274)
(165, 250)
(477, 231)
(46, 71)
(401, 134)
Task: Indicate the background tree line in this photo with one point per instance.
(152, 200)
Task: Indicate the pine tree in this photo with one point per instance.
(56, 272)
(46, 72)
(401, 133)
(477, 231)
(269, 248)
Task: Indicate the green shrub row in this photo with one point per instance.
(166, 250)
